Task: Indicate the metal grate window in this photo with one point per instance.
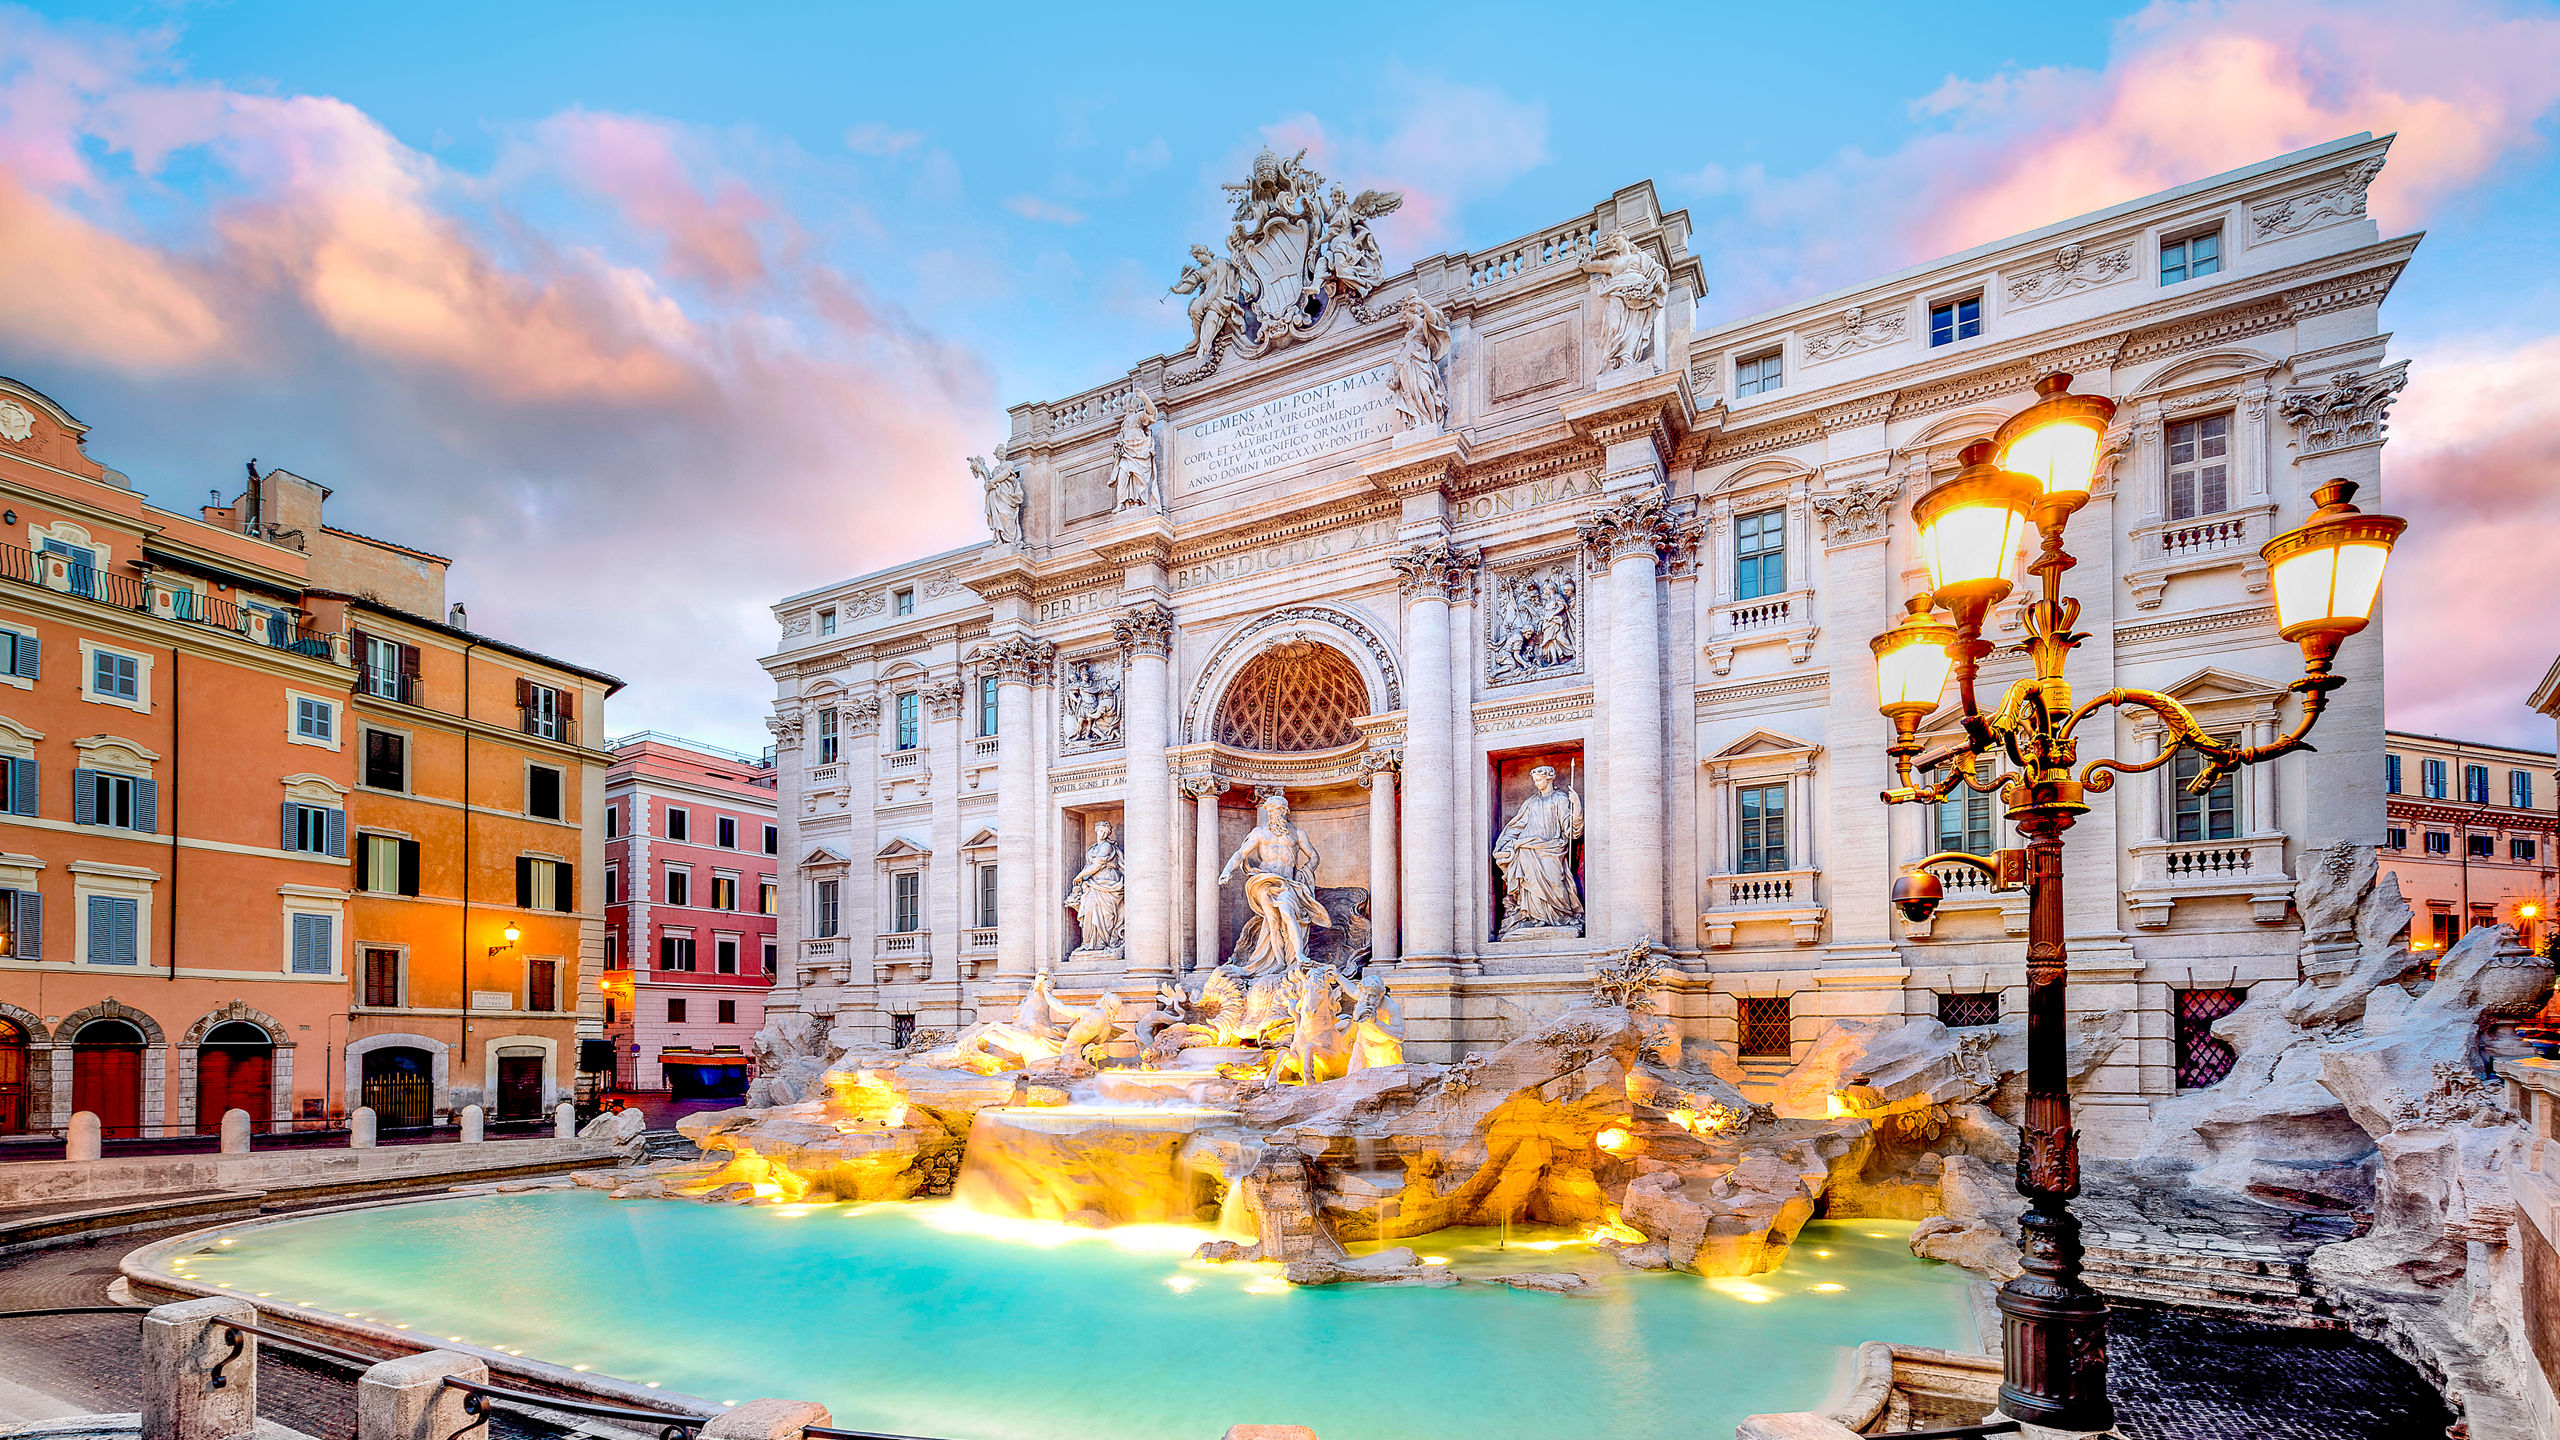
(1958, 1012)
(2202, 1059)
(1768, 1031)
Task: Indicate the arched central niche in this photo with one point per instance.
(1297, 694)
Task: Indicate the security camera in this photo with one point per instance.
(1917, 893)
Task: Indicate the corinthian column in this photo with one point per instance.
(1427, 574)
(1018, 661)
(1145, 634)
(1628, 538)
(1206, 943)
(1378, 773)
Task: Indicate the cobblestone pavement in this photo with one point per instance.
(2178, 1375)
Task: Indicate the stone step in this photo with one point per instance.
(2272, 1288)
(2119, 1258)
(2300, 1311)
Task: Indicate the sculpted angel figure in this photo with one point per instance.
(1280, 887)
(1418, 386)
(1218, 289)
(1535, 855)
(1133, 475)
(1097, 892)
(1003, 482)
(1635, 285)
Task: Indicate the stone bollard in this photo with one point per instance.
(360, 1128)
(407, 1399)
(82, 1143)
(564, 1121)
(767, 1420)
(235, 1132)
(471, 1125)
(181, 1344)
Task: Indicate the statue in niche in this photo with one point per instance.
(1535, 854)
(1634, 285)
(1093, 707)
(1419, 385)
(1533, 625)
(1002, 480)
(1279, 888)
(1134, 483)
(1220, 289)
(1096, 895)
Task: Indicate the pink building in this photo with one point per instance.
(689, 855)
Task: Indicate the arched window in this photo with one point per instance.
(1296, 695)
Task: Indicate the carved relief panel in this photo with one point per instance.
(1089, 704)
(1533, 622)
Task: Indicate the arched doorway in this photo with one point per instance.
(13, 1079)
(106, 1076)
(235, 1070)
(400, 1087)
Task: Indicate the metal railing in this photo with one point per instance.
(65, 575)
(478, 1396)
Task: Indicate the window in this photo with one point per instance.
(773, 839)
(986, 705)
(124, 802)
(381, 978)
(314, 830)
(315, 945)
(827, 621)
(2520, 849)
(2214, 815)
(386, 760)
(1764, 828)
(828, 910)
(1964, 1011)
(2199, 467)
(902, 602)
(21, 655)
(2432, 778)
(675, 950)
(679, 824)
(2203, 1059)
(115, 930)
(612, 951)
(2439, 843)
(1768, 1030)
(2391, 774)
(906, 908)
(1955, 320)
(543, 884)
(827, 736)
(2480, 846)
(19, 784)
(1759, 554)
(2443, 926)
(902, 1029)
(724, 955)
(612, 821)
(387, 865)
(542, 985)
(772, 957)
(724, 892)
(986, 896)
(542, 792)
(2396, 838)
(675, 1008)
(726, 832)
(679, 885)
(24, 911)
(314, 719)
(612, 886)
(2475, 784)
(115, 677)
(728, 1012)
(546, 711)
(82, 565)
(908, 730)
(768, 899)
(1964, 819)
(2520, 789)
(388, 668)
(2191, 257)
(1758, 374)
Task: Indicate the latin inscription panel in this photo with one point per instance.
(1342, 412)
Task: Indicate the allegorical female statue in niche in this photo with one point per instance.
(1280, 888)
(1096, 895)
(1535, 853)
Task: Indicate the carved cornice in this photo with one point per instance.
(1721, 698)
(1866, 410)
(1017, 659)
(1436, 570)
(2211, 622)
(1732, 445)
(1145, 629)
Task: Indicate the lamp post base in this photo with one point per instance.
(2054, 1332)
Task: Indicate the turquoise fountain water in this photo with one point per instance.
(928, 1320)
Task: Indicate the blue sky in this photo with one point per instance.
(594, 296)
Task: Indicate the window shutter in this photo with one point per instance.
(146, 806)
(84, 797)
(408, 665)
(356, 641)
(22, 786)
(524, 693)
(666, 952)
(300, 962)
(364, 864)
(126, 912)
(287, 842)
(524, 882)
(408, 867)
(102, 927)
(567, 703)
(30, 656)
(29, 931)
(563, 892)
(337, 825)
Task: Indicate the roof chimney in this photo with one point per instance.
(457, 617)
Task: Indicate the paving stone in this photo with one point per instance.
(2177, 1375)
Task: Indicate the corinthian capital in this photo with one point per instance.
(1144, 630)
(1017, 659)
(1641, 524)
(1436, 569)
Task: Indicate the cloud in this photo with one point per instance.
(882, 141)
(1049, 212)
(1440, 142)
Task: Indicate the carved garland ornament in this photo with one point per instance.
(2073, 270)
(1856, 331)
(2342, 201)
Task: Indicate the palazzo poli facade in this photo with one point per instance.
(1547, 613)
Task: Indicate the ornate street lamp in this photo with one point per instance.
(2036, 472)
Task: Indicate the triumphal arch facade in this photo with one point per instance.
(1545, 612)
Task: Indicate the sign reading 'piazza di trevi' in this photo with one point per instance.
(1470, 626)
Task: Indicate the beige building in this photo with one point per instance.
(1390, 545)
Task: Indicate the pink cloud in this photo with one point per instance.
(1443, 145)
(102, 297)
(710, 235)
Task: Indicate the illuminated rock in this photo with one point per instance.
(1124, 1163)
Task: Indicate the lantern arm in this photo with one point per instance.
(2220, 757)
(1987, 864)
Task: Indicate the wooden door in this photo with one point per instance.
(519, 1087)
(13, 1080)
(106, 1081)
(235, 1077)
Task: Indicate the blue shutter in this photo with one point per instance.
(146, 806)
(23, 778)
(29, 929)
(311, 944)
(337, 833)
(102, 929)
(30, 657)
(128, 917)
(84, 797)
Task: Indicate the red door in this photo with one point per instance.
(13, 1079)
(234, 1077)
(106, 1081)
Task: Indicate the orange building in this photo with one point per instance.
(174, 850)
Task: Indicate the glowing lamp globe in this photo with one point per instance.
(2327, 572)
(1912, 661)
(1971, 529)
(512, 934)
(2055, 441)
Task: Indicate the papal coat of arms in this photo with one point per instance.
(1297, 248)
